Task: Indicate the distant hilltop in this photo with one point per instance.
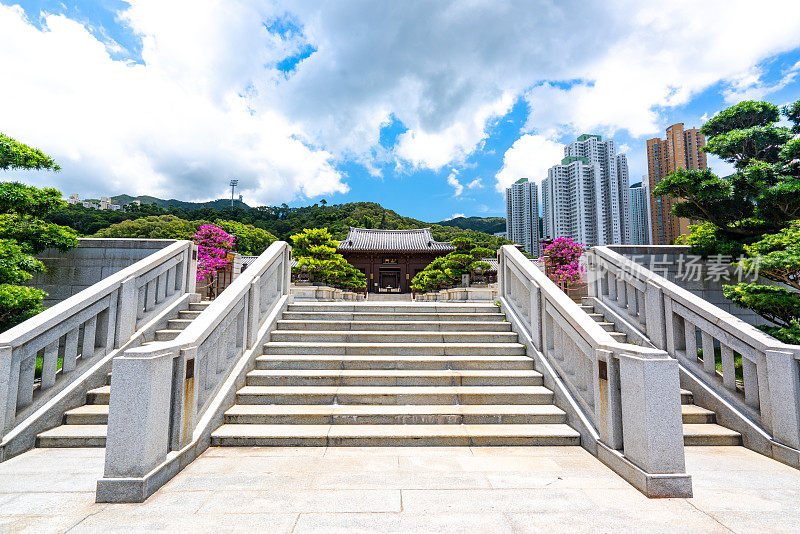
(487, 225)
(219, 204)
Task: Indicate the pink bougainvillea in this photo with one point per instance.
(213, 245)
(562, 259)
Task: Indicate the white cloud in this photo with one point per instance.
(455, 216)
(455, 184)
(206, 102)
(476, 183)
(529, 157)
(175, 125)
(749, 85)
(665, 55)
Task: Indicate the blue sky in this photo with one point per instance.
(428, 109)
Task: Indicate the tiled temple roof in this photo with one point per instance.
(417, 240)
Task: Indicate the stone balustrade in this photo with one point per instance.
(623, 398)
(323, 293)
(167, 397)
(85, 328)
(765, 401)
(486, 293)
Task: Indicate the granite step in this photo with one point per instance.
(73, 436)
(692, 414)
(710, 435)
(403, 377)
(324, 361)
(394, 307)
(98, 395)
(178, 324)
(394, 326)
(418, 317)
(199, 306)
(394, 395)
(88, 414)
(399, 349)
(166, 334)
(188, 314)
(244, 435)
(326, 414)
(378, 336)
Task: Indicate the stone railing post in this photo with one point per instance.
(654, 315)
(287, 270)
(608, 405)
(8, 384)
(783, 374)
(139, 415)
(535, 316)
(127, 311)
(651, 412)
(190, 279)
(253, 311)
(592, 274)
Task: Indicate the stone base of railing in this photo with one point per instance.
(653, 485)
(323, 293)
(461, 294)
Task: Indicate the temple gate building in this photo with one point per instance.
(391, 258)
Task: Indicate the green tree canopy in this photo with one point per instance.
(446, 271)
(14, 155)
(754, 212)
(249, 239)
(316, 249)
(24, 233)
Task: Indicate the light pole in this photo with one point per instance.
(234, 183)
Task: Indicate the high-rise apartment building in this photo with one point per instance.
(522, 215)
(680, 150)
(640, 209)
(585, 197)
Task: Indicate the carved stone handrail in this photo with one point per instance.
(87, 327)
(673, 319)
(623, 398)
(166, 396)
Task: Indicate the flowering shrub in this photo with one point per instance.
(562, 260)
(213, 245)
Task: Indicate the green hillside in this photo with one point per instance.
(489, 225)
(282, 221)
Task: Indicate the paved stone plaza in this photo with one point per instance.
(460, 489)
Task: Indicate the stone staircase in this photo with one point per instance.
(393, 374)
(85, 426)
(699, 424)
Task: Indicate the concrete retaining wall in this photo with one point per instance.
(91, 261)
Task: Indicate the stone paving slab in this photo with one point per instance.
(386, 489)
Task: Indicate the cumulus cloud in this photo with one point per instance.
(455, 216)
(207, 101)
(668, 53)
(529, 157)
(453, 182)
(175, 124)
(476, 183)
